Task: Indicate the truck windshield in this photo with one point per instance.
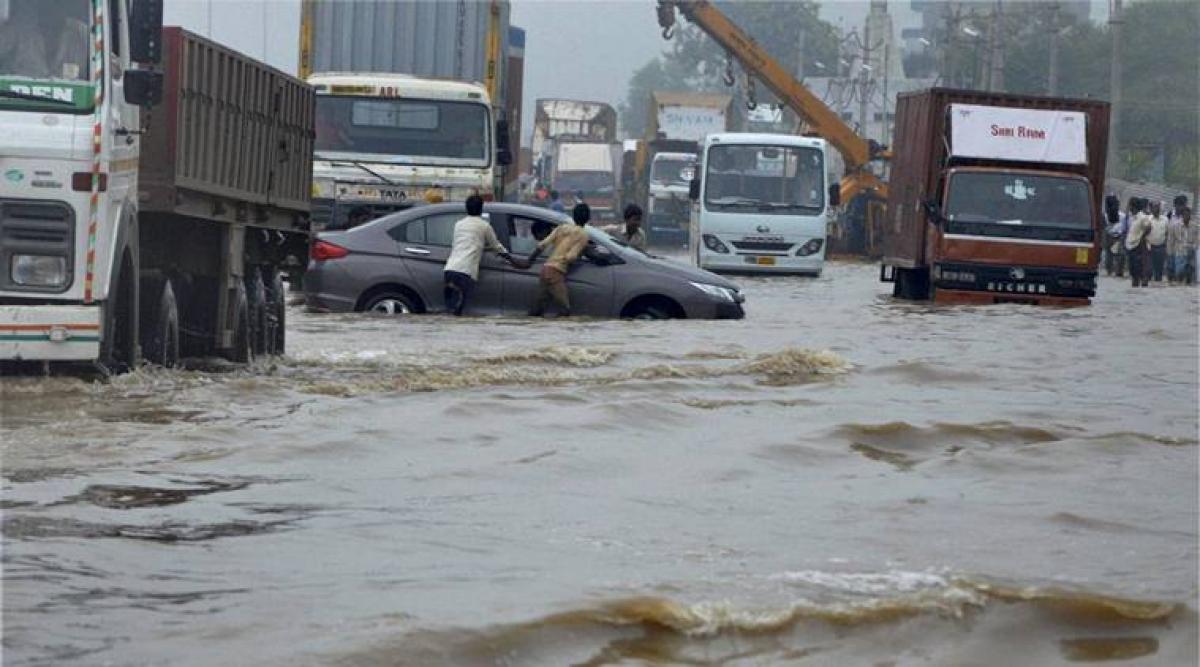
(1019, 199)
(584, 181)
(44, 53)
(669, 171)
(429, 132)
(770, 179)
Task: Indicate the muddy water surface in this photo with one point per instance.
(838, 479)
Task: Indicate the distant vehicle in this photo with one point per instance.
(762, 204)
(394, 264)
(588, 169)
(668, 208)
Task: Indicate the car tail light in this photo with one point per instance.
(323, 250)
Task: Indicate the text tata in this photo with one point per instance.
(1020, 132)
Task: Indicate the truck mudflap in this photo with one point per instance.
(49, 333)
(975, 298)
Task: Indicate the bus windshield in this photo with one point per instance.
(1010, 198)
(768, 179)
(409, 131)
(670, 170)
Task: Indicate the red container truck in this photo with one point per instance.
(995, 198)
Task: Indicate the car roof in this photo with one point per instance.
(493, 207)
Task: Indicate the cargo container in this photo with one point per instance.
(513, 95)
(995, 198)
(169, 234)
(429, 39)
(685, 116)
(570, 120)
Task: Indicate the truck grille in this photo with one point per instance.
(35, 228)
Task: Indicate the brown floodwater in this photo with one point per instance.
(838, 479)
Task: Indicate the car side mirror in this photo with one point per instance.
(145, 32)
(143, 87)
(694, 189)
(835, 194)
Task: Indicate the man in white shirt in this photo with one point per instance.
(472, 235)
(1135, 243)
(1157, 238)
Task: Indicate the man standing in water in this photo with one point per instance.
(634, 235)
(472, 235)
(1135, 244)
(569, 242)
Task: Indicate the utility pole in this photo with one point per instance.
(1052, 77)
(996, 77)
(1115, 21)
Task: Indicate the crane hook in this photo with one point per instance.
(728, 77)
(666, 18)
(751, 96)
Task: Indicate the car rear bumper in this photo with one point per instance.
(730, 263)
(50, 333)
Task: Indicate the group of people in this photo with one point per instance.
(1152, 245)
(566, 243)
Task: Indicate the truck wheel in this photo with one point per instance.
(256, 293)
(241, 352)
(118, 344)
(276, 312)
(160, 323)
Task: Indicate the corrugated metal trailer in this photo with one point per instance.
(437, 39)
(232, 140)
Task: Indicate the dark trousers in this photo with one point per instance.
(1158, 260)
(1139, 265)
(1114, 262)
(456, 291)
(552, 287)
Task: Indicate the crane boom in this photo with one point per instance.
(855, 150)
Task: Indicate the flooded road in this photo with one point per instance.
(837, 479)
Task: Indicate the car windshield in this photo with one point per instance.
(586, 181)
(44, 53)
(771, 179)
(431, 132)
(1019, 199)
(670, 171)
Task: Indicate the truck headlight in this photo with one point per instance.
(324, 188)
(39, 270)
(721, 293)
(810, 248)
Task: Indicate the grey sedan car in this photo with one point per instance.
(394, 265)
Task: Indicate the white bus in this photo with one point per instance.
(761, 204)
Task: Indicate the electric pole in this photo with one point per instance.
(1052, 77)
(1115, 21)
(996, 76)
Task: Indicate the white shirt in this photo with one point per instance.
(472, 235)
(1138, 230)
(1158, 230)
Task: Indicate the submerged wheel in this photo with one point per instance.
(241, 351)
(160, 323)
(256, 293)
(276, 312)
(390, 303)
(119, 332)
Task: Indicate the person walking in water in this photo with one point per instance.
(556, 202)
(1135, 244)
(634, 235)
(1157, 239)
(569, 242)
(472, 235)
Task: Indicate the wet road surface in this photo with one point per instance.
(837, 479)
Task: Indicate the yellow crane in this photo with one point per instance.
(857, 152)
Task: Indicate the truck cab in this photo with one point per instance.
(384, 140)
(761, 204)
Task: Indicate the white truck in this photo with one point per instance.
(590, 170)
(128, 232)
(384, 140)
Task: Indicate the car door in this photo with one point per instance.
(590, 286)
(424, 246)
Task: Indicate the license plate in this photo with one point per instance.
(765, 261)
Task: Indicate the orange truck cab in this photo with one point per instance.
(995, 198)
